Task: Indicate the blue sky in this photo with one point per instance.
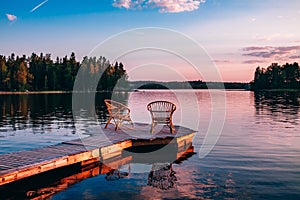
(238, 35)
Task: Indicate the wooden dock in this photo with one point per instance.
(97, 147)
(45, 185)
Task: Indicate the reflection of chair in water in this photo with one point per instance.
(161, 113)
(117, 112)
(162, 176)
(115, 174)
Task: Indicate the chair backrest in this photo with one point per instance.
(161, 109)
(158, 106)
(114, 107)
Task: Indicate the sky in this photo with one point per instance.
(237, 35)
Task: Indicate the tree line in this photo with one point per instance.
(41, 73)
(277, 76)
(187, 85)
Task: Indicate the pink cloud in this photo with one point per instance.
(271, 52)
(11, 17)
(122, 3)
(175, 6)
(164, 6)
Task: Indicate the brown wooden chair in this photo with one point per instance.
(162, 113)
(118, 112)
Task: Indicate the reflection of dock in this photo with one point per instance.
(98, 147)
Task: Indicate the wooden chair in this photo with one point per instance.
(161, 113)
(118, 113)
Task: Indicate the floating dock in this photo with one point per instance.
(103, 145)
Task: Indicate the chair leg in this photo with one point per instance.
(172, 129)
(118, 123)
(131, 122)
(152, 127)
(108, 122)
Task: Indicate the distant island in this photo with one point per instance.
(276, 77)
(189, 85)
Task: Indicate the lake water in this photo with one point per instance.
(257, 154)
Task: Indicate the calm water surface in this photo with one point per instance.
(256, 157)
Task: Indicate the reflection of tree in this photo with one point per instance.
(14, 111)
(162, 176)
(278, 105)
(43, 112)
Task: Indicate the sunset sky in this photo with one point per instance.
(238, 35)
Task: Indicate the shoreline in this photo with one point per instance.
(58, 92)
(70, 92)
(278, 90)
(35, 92)
(138, 90)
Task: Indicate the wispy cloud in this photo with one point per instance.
(11, 17)
(274, 36)
(271, 52)
(39, 5)
(164, 6)
(253, 61)
(254, 48)
(222, 61)
(295, 57)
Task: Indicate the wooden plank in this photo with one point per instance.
(188, 137)
(4, 167)
(79, 157)
(88, 162)
(8, 178)
(104, 151)
(45, 166)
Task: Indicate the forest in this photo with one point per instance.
(277, 76)
(41, 73)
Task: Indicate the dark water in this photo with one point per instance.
(256, 157)
(31, 121)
